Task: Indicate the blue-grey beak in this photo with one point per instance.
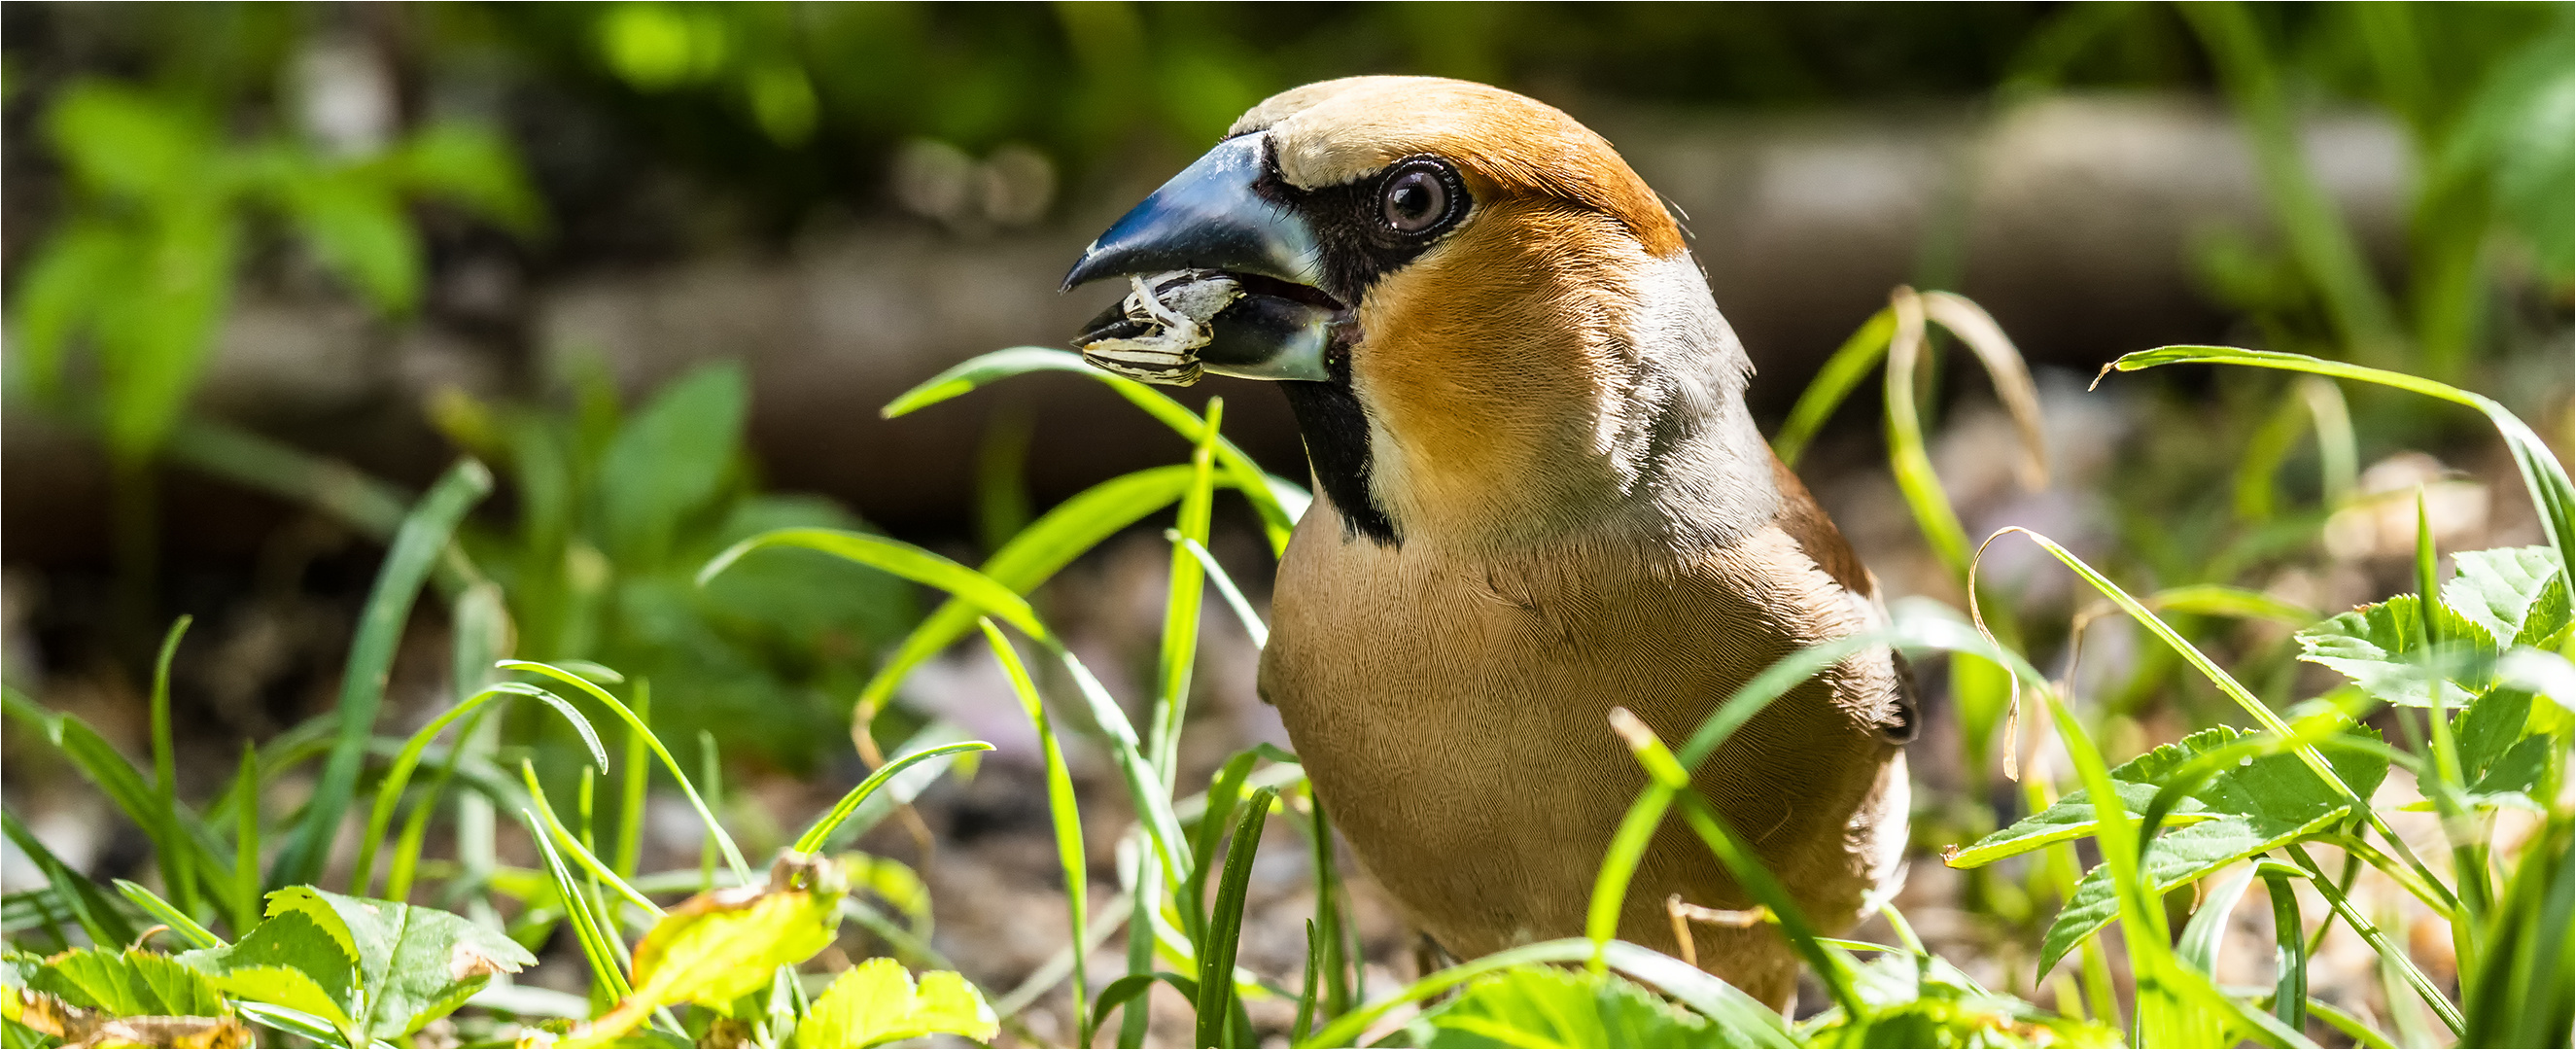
(1208, 218)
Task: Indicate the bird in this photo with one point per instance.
(1539, 498)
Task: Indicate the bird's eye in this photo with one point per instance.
(1415, 200)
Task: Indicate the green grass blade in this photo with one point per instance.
(1216, 1002)
(416, 550)
(1178, 653)
(815, 836)
(107, 927)
(1030, 559)
(587, 926)
(389, 791)
(724, 841)
(1840, 376)
(1907, 460)
(1225, 790)
(2226, 683)
(630, 796)
(405, 864)
(2211, 599)
(2207, 931)
(711, 770)
(1305, 1023)
(168, 915)
(168, 823)
(2289, 951)
(1225, 587)
(2552, 493)
(2521, 997)
(1064, 812)
(1279, 502)
(174, 852)
(572, 845)
(897, 557)
(1741, 863)
(2360, 1031)
(1705, 994)
(245, 901)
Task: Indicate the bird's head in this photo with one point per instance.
(1488, 325)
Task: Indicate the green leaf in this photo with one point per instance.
(2070, 817)
(669, 460)
(900, 558)
(124, 142)
(129, 984)
(2515, 593)
(289, 961)
(2259, 804)
(2382, 648)
(473, 166)
(152, 345)
(876, 1002)
(1550, 1006)
(378, 969)
(359, 230)
(72, 277)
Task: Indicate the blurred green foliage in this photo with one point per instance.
(139, 271)
(617, 510)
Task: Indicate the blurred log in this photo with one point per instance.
(2069, 218)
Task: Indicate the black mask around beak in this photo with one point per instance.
(1208, 224)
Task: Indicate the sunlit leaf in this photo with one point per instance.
(876, 1002)
(1549, 1006)
(724, 944)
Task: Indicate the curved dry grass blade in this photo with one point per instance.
(2006, 369)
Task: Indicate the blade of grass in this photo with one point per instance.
(1750, 874)
(1225, 790)
(821, 831)
(2206, 933)
(1064, 812)
(1217, 1003)
(2005, 369)
(586, 926)
(1234, 599)
(638, 776)
(246, 886)
(2379, 941)
(169, 915)
(107, 928)
(168, 823)
(711, 770)
(601, 875)
(1178, 653)
(732, 855)
(389, 791)
(1711, 997)
(415, 831)
(176, 871)
(2227, 684)
(1032, 557)
(1841, 375)
(1279, 502)
(2289, 947)
(416, 549)
(2552, 494)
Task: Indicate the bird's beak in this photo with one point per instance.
(1209, 219)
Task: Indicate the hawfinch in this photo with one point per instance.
(1539, 497)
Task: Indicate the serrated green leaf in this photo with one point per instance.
(876, 1002)
(2259, 804)
(289, 961)
(129, 984)
(382, 969)
(2515, 593)
(1550, 1006)
(2493, 723)
(2071, 817)
(2382, 648)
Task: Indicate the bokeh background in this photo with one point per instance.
(270, 268)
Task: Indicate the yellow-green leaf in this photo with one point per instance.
(876, 1002)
